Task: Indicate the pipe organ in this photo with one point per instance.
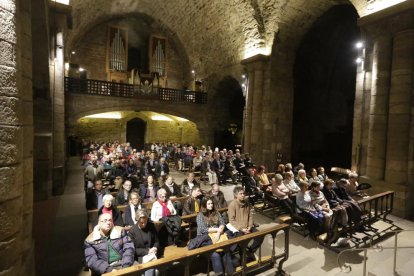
(117, 54)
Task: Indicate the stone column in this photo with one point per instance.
(253, 142)
(400, 103)
(377, 138)
(247, 122)
(57, 63)
(361, 112)
(16, 136)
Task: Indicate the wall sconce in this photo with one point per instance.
(232, 128)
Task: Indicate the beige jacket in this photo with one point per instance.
(239, 215)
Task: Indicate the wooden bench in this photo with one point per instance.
(374, 208)
(186, 257)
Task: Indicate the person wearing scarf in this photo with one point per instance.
(163, 207)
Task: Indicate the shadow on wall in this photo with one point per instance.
(324, 75)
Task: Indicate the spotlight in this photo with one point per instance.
(192, 72)
(358, 60)
(359, 45)
(81, 69)
(73, 52)
(243, 76)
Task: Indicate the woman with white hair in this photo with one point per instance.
(109, 208)
(163, 207)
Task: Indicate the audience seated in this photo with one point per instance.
(151, 165)
(133, 206)
(301, 176)
(319, 202)
(162, 169)
(251, 187)
(352, 186)
(207, 168)
(210, 222)
(148, 191)
(188, 184)
(313, 176)
(217, 196)
(281, 192)
(230, 170)
(241, 221)
(145, 238)
(108, 247)
(192, 204)
(261, 175)
(162, 207)
(321, 174)
(313, 217)
(349, 209)
(94, 171)
(123, 193)
(290, 183)
(109, 208)
(95, 195)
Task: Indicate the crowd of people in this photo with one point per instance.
(119, 240)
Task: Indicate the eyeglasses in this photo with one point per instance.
(106, 220)
(163, 195)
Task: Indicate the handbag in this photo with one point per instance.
(223, 237)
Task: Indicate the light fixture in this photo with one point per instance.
(66, 66)
(73, 52)
(359, 45)
(358, 60)
(232, 128)
(81, 69)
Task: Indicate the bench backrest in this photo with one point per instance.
(186, 255)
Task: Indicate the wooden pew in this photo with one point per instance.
(186, 257)
(374, 208)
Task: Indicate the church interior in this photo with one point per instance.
(323, 83)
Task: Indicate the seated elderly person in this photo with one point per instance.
(163, 207)
(290, 183)
(217, 196)
(352, 187)
(281, 192)
(145, 238)
(133, 206)
(109, 208)
(192, 204)
(188, 184)
(313, 217)
(108, 247)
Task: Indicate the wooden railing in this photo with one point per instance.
(186, 257)
(114, 89)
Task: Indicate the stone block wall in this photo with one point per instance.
(156, 131)
(90, 51)
(16, 140)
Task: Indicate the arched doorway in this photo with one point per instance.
(324, 75)
(229, 106)
(135, 133)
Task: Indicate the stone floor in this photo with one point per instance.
(60, 228)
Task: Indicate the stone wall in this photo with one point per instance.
(16, 140)
(90, 51)
(156, 131)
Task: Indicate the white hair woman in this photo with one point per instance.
(109, 208)
(163, 207)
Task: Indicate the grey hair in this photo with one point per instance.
(108, 197)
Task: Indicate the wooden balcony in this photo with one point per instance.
(113, 89)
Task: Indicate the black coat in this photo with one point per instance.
(177, 191)
(137, 236)
(128, 216)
